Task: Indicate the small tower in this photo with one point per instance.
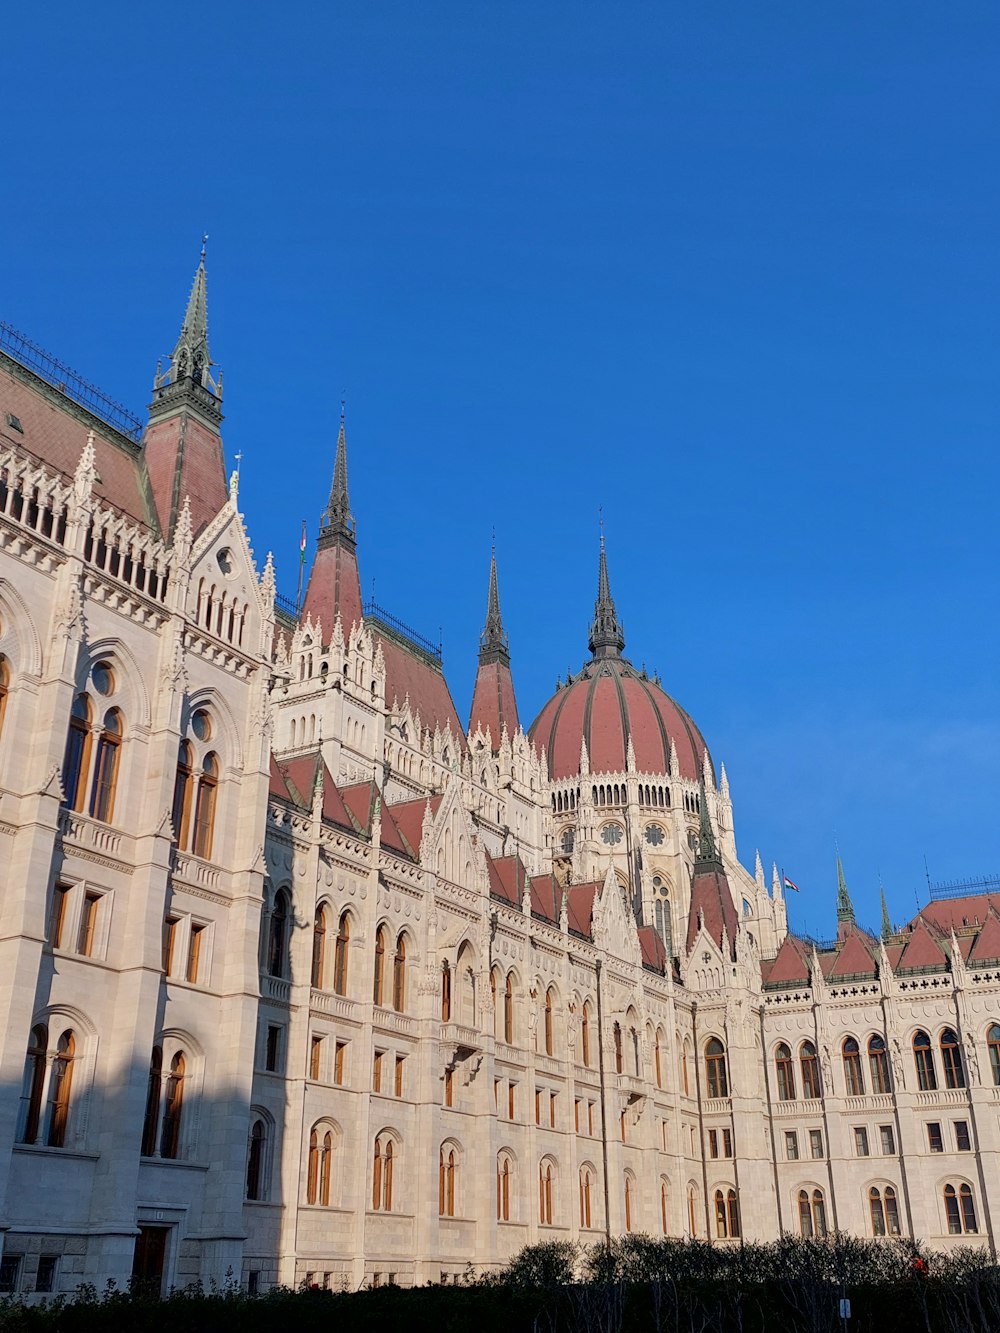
(712, 905)
(493, 703)
(607, 638)
(334, 583)
(845, 908)
(182, 443)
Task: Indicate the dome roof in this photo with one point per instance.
(609, 703)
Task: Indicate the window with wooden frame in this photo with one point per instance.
(657, 1058)
(173, 1106)
(341, 953)
(319, 1167)
(586, 1193)
(548, 1021)
(447, 1172)
(106, 764)
(399, 974)
(171, 925)
(727, 1214)
(809, 1065)
(204, 810)
(449, 1087)
(397, 1085)
(4, 690)
(377, 1058)
(196, 936)
(340, 1062)
(183, 790)
(629, 1192)
(664, 1206)
(993, 1045)
(277, 936)
(272, 1048)
(716, 1074)
(878, 1064)
(76, 762)
(854, 1078)
(951, 1060)
(508, 1009)
(504, 1173)
(545, 1179)
(256, 1147)
(315, 1057)
(378, 983)
(585, 1034)
(785, 1072)
(316, 975)
(151, 1119)
(446, 992)
(60, 1089)
(616, 1037)
(883, 1210)
(960, 1210)
(383, 1162)
(60, 909)
(34, 1083)
(511, 1100)
(923, 1059)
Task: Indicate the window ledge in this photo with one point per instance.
(44, 1150)
(176, 1163)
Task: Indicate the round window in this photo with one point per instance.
(103, 677)
(201, 725)
(224, 559)
(654, 835)
(611, 834)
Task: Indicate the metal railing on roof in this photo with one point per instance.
(965, 888)
(372, 611)
(67, 381)
(286, 604)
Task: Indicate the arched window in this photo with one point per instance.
(183, 782)
(503, 1187)
(446, 1181)
(150, 1122)
(77, 759)
(733, 1212)
(586, 1192)
(629, 1188)
(636, 1060)
(877, 1211)
(60, 1089)
(549, 1036)
(951, 1059)
(809, 1064)
(34, 1081)
(399, 974)
(102, 796)
(685, 1080)
(692, 1201)
(878, 1064)
(727, 1214)
(658, 1058)
(923, 1058)
(508, 1009)
(277, 939)
(170, 1139)
(382, 1174)
(960, 1209)
(545, 1192)
(993, 1042)
(854, 1077)
(619, 1061)
(319, 948)
(4, 688)
(664, 1210)
(381, 940)
(585, 1036)
(341, 950)
(255, 1159)
(445, 992)
(785, 1072)
(812, 1214)
(716, 1075)
(204, 810)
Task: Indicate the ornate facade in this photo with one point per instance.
(302, 979)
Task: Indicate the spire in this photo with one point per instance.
(338, 521)
(845, 908)
(708, 852)
(493, 643)
(191, 358)
(606, 636)
(886, 919)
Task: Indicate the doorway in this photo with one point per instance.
(150, 1259)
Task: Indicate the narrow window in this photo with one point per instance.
(853, 1075)
(805, 1215)
(151, 1118)
(657, 1060)
(860, 1141)
(585, 1197)
(816, 1142)
(877, 1211)
(102, 796)
(77, 758)
(951, 1059)
(341, 953)
(34, 1081)
(4, 689)
(935, 1141)
(272, 1048)
(952, 1211)
(585, 1039)
(549, 1038)
(721, 1229)
(785, 1072)
(194, 950)
(511, 1102)
(377, 1071)
(398, 1077)
(503, 1188)
(715, 1069)
(399, 975)
(663, 1207)
(60, 1089)
(449, 1087)
(819, 1213)
(791, 1145)
(727, 1143)
(993, 1041)
(628, 1203)
(445, 992)
(60, 907)
(733, 1210)
(325, 1167)
(379, 980)
(552, 1110)
(312, 1170)
(809, 1064)
(183, 783)
(45, 1279)
(277, 935)
(545, 1193)
(255, 1160)
(923, 1058)
(446, 1181)
(170, 1139)
(617, 1035)
(887, 1139)
(891, 1211)
(878, 1064)
(508, 1009)
(315, 1057)
(170, 926)
(204, 810)
(962, 1140)
(538, 1106)
(88, 924)
(318, 949)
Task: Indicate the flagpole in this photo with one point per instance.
(302, 565)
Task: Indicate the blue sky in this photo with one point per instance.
(728, 271)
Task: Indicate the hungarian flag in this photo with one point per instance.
(788, 883)
(302, 543)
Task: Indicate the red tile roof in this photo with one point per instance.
(987, 944)
(334, 586)
(493, 703)
(857, 957)
(408, 820)
(922, 949)
(508, 878)
(654, 951)
(546, 898)
(409, 675)
(791, 962)
(953, 913)
(580, 908)
(184, 459)
(711, 898)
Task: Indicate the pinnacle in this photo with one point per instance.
(708, 852)
(845, 908)
(338, 521)
(191, 358)
(493, 642)
(606, 636)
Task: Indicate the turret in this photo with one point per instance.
(494, 706)
(334, 586)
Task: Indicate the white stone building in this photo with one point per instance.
(302, 979)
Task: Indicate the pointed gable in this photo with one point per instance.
(508, 878)
(854, 959)
(712, 902)
(406, 824)
(790, 964)
(277, 786)
(986, 948)
(922, 949)
(580, 908)
(654, 951)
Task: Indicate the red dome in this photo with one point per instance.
(608, 702)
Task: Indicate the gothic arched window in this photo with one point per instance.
(809, 1064)
(341, 953)
(951, 1059)
(878, 1064)
(204, 809)
(854, 1076)
(923, 1058)
(716, 1075)
(77, 759)
(319, 949)
(785, 1071)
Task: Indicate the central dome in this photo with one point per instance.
(608, 704)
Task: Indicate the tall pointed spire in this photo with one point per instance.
(606, 636)
(886, 919)
(708, 851)
(338, 521)
(191, 359)
(845, 908)
(493, 642)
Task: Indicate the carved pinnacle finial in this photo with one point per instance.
(845, 908)
(493, 643)
(606, 636)
(338, 521)
(708, 852)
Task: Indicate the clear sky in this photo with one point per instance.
(728, 270)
